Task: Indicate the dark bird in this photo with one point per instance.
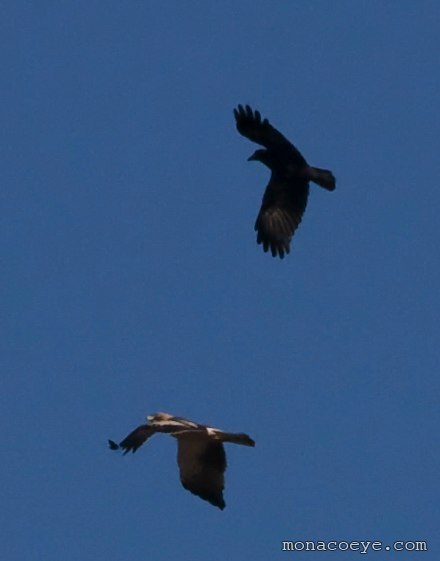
(200, 453)
(285, 198)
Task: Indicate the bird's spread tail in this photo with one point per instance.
(323, 177)
(237, 438)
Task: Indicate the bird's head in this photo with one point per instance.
(262, 156)
(160, 416)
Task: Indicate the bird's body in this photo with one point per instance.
(200, 453)
(285, 198)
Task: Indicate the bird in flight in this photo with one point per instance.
(200, 453)
(285, 198)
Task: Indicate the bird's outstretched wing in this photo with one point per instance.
(252, 126)
(134, 440)
(202, 464)
(280, 214)
(159, 422)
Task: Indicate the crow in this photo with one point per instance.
(285, 198)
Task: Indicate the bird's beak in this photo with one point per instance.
(251, 158)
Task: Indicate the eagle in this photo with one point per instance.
(285, 198)
(200, 453)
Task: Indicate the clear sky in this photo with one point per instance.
(132, 282)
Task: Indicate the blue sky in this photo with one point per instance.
(132, 283)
